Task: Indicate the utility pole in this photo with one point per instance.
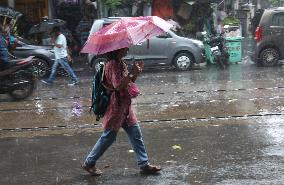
(257, 4)
(11, 3)
(99, 9)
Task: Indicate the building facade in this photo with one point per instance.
(32, 9)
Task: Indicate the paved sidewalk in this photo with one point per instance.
(212, 152)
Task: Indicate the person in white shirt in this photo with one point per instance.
(61, 57)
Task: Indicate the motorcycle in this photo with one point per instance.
(18, 80)
(220, 51)
(216, 50)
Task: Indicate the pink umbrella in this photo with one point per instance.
(124, 33)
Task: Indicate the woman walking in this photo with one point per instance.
(119, 114)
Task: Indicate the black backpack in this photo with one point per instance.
(100, 95)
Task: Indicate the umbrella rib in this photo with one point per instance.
(128, 34)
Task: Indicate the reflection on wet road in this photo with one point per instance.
(239, 91)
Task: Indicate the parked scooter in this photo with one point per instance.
(18, 79)
(219, 50)
(215, 49)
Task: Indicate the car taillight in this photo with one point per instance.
(258, 33)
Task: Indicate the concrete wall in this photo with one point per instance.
(11, 3)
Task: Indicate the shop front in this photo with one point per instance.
(162, 8)
(34, 10)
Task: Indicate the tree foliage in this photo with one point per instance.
(116, 3)
(113, 3)
(276, 2)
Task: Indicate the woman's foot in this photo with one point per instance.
(150, 169)
(92, 170)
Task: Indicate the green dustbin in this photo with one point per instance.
(234, 45)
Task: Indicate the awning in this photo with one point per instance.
(9, 12)
(162, 8)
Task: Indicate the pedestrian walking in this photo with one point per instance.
(119, 114)
(61, 57)
(4, 54)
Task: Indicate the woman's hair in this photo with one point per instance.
(112, 55)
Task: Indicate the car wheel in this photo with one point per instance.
(269, 57)
(96, 64)
(183, 61)
(23, 87)
(41, 68)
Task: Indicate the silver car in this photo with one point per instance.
(44, 55)
(168, 49)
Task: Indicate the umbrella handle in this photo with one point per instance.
(4, 22)
(132, 59)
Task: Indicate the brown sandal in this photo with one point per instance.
(93, 171)
(150, 169)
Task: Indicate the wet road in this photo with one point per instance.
(228, 126)
(239, 91)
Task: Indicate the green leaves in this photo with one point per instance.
(231, 21)
(276, 2)
(113, 3)
(116, 3)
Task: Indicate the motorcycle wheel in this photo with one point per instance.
(219, 62)
(24, 86)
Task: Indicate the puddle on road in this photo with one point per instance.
(77, 109)
(271, 129)
(39, 107)
(274, 130)
(274, 151)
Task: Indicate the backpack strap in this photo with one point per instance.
(111, 89)
(103, 74)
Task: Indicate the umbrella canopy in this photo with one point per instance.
(124, 33)
(46, 25)
(9, 12)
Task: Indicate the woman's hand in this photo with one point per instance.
(141, 65)
(137, 68)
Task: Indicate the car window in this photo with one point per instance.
(164, 35)
(98, 24)
(106, 24)
(178, 32)
(278, 19)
